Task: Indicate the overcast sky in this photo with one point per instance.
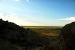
(38, 12)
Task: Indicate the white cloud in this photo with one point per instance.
(68, 19)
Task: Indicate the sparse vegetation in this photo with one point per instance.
(14, 37)
(68, 36)
(52, 33)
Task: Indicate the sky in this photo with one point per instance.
(38, 12)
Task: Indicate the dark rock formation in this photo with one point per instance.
(68, 36)
(14, 36)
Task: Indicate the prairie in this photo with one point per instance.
(50, 32)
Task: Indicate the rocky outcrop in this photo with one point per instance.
(68, 36)
(17, 37)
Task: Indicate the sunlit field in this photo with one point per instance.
(50, 32)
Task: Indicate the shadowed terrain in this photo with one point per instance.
(68, 36)
(14, 37)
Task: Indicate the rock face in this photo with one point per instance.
(14, 36)
(68, 35)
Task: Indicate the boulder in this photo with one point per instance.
(68, 36)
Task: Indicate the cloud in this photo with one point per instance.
(68, 19)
